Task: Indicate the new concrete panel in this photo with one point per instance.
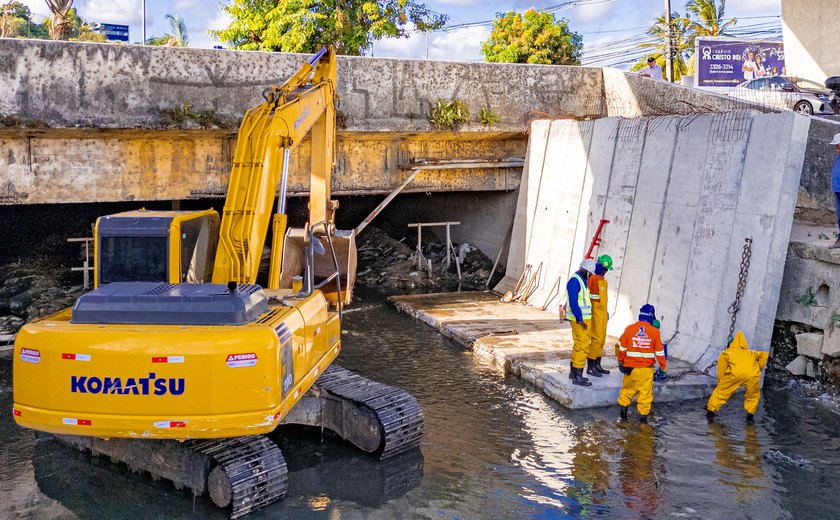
(528, 189)
(596, 130)
(681, 194)
(709, 247)
(563, 181)
(643, 238)
(679, 214)
(766, 200)
(618, 208)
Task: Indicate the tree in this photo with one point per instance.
(532, 37)
(709, 18)
(179, 36)
(709, 22)
(59, 24)
(16, 22)
(682, 41)
(351, 26)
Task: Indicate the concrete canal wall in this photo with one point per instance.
(681, 193)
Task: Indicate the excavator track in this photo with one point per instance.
(398, 412)
(247, 473)
(251, 472)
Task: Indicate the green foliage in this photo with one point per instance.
(351, 26)
(487, 116)
(683, 45)
(449, 114)
(710, 18)
(16, 22)
(702, 18)
(179, 115)
(807, 298)
(532, 37)
(178, 36)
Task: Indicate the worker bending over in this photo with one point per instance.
(579, 314)
(639, 348)
(738, 366)
(598, 293)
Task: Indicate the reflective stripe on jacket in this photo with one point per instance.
(641, 346)
(584, 303)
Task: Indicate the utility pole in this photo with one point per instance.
(144, 22)
(669, 54)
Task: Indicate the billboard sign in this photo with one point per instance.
(726, 62)
(117, 33)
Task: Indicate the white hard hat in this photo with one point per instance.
(836, 140)
(588, 265)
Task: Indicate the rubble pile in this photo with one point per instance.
(392, 265)
(32, 290)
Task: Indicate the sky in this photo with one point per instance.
(602, 23)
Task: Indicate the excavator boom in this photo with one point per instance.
(304, 105)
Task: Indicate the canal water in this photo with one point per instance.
(494, 448)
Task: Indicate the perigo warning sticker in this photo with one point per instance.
(241, 360)
(30, 356)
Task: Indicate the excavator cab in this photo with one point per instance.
(155, 246)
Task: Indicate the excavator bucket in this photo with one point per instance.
(342, 244)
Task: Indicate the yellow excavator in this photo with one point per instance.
(177, 362)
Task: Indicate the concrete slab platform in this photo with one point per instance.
(534, 345)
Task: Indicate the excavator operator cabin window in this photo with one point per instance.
(132, 259)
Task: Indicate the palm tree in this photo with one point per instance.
(180, 37)
(709, 18)
(60, 24)
(683, 45)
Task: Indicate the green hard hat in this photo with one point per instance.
(606, 261)
(656, 324)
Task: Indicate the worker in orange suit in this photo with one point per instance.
(738, 366)
(579, 314)
(639, 349)
(598, 293)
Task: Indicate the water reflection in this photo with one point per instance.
(494, 448)
(742, 467)
(640, 470)
(320, 473)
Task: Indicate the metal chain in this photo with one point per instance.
(742, 282)
(733, 309)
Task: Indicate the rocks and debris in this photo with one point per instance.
(778, 458)
(390, 264)
(32, 290)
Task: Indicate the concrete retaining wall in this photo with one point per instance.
(62, 84)
(681, 194)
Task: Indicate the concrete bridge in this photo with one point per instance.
(82, 122)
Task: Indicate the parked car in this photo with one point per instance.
(800, 95)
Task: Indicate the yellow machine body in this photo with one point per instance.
(209, 385)
(171, 381)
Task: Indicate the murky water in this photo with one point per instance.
(494, 448)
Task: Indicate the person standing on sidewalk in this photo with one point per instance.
(598, 293)
(579, 314)
(835, 186)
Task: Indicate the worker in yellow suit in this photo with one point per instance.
(639, 349)
(598, 293)
(738, 366)
(579, 314)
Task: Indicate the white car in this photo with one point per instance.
(800, 95)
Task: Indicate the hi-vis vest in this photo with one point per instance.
(584, 302)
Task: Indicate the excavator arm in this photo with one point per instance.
(305, 104)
